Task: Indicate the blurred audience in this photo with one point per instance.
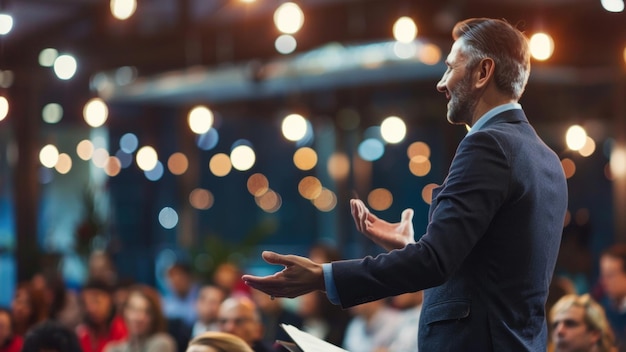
(613, 284)
(51, 336)
(372, 328)
(228, 277)
(410, 307)
(207, 305)
(579, 324)
(215, 341)
(9, 342)
(28, 308)
(145, 322)
(180, 301)
(101, 324)
(100, 267)
(273, 313)
(239, 316)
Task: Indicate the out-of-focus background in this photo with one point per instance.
(205, 131)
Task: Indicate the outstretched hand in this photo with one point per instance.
(299, 276)
(387, 235)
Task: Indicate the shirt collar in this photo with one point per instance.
(491, 113)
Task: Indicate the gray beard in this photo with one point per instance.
(462, 103)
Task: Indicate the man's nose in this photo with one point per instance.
(441, 85)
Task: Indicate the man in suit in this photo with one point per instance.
(488, 254)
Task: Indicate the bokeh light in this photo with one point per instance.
(404, 50)
(51, 113)
(576, 137)
(49, 156)
(294, 127)
(569, 167)
(4, 108)
(613, 5)
(418, 149)
(288, 18)
(427, 192)
(588, 148)
(338, 166)
(200, 119)
(419, 165)
(393, 129)
(380, 199)
(201, 199)
(125, 159)
(541, 46)
(242, 157)
(84, 149)
(123, 9)
(568, 218)
(429, 54)
(285, 44)
(146, 158)
(168, 218)
(64, 164)
(113, 166)
(47, 57)
(258, 184)
(65, 66)
(129, 143)
(220, 165)
(208, 140)
(618, 162)
(270, 201)
(404, 29)
(326, 201)
(371, 149)
(305, 158)
(177, 163)
(95, 112)
(155, 173)
(100, 157)
(310, 187)
(6, 23)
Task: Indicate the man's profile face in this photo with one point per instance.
(613, 277)
(240, 320)
(570, 332)
(456, 83)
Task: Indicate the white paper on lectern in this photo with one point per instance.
(308, 342)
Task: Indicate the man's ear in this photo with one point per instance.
(484, 72)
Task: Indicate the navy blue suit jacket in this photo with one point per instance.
(488, 254)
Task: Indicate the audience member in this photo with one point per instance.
(145, 322)
(323, 319)
(372, 327)
(228, 276)
(273, 313)
(239, 316)
(207, 305)
(51, 336)
(579, 324)
(100, 323)
(410, 308)
(180, 302)
(101, 268)
(215, 341)
(613, 284)
(28, 308)
(9, 342)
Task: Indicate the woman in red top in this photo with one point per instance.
(100, 324)
(9, 342)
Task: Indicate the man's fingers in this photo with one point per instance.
(407, 215)
(275, 258)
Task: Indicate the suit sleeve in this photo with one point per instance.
(462, 209)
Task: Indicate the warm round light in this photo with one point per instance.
(380, 199)
(310, 187)
(200, 119)
(84, 149)
(6, 23)
(112, 166)
(220, 165)
(123, 9)
(4, 108)
(576, 137)
(47, 57)
(326, 201)
(588, 148)
(404, 50)
(338, 166)
(288, 18)
(404, 30)
(270, 201)
(177, 163)
(393, 129)
(242, 157)
(65, 67)
(419, 166)
(64, 164)
(427, 192)
(100, 157)
(305, 158)
(258, 184)
(429, 54)
(613, 5)
(541, 46)
(95, 112)
(294, 127)
(147, 158)
(201, 199)
(569, 167)
(285, 44)
(418, 149)
(618, 162)
(49, 156)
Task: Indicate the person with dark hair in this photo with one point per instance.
(9, 342)
(100, 323)
(28, 308)
(495, 224)
(51, 336)
(180, 302)
(613, 284)
(147, 327)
